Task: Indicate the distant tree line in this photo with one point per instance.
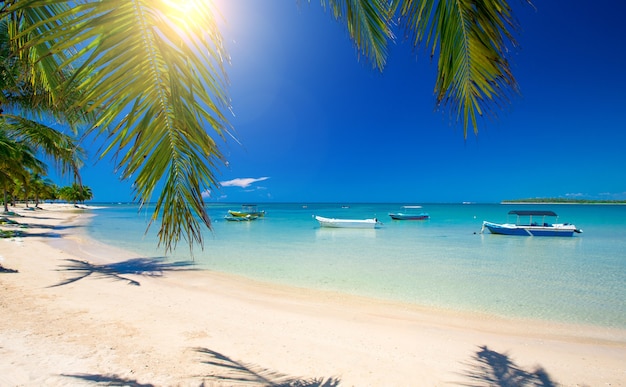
(37, 189)
(564, 200)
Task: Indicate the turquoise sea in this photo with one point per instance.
(443, 262)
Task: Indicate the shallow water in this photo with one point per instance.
(444, 261)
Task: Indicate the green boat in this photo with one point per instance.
(247, 209)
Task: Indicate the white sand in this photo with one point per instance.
(191, 328)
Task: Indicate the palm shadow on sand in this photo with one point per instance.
(7, 270)
(491, 368)
(151, 267)
(108, 380)
(223, 371)
(232, 372)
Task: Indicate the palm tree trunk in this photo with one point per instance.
(6, 197)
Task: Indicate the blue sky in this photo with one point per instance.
(317, 124)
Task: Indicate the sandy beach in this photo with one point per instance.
(77, 312)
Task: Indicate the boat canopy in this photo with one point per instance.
(532, 213)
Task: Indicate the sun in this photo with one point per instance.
(185, 6)
(187, 12)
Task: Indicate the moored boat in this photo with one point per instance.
(409, 214)
(247, 209)
(348, 223)
(527, 224)
(245, 218)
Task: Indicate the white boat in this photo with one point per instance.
(532, 227)
(348, 223)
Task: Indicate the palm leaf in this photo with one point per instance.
(471, 39)
(60, 147)
(155, 85)
(17, 158)
(43, 70)
(369, 25)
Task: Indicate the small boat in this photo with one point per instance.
(410, 214)
(532, 227)
(348, 223)
(246, 218)
(247, 209)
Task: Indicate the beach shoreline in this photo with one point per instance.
(76, 312)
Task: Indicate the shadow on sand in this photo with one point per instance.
(6, 270)
(152, 267)
(224, 371)
(52, 227)
(108, 380)
(232, 372)
(38, 234)
(491, 368)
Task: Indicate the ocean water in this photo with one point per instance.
(444, 262)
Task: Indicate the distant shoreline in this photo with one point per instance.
(562, 201)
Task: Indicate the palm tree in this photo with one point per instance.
(41, 187)
(85, 193)
(24, 103)
(75, 193)
(155, 79)
(68, 194)
(17, 162)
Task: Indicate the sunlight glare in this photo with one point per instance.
(187, 12)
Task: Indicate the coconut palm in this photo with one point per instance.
(8, 153)
(24, 105)
(85, 193)
(26, 102)
(154, 77)
(41, 188)
(17, 162)
(75, 193)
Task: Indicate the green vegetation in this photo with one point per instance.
(6, 221)
(9, 233)
(26, 103)
(564, 201)
(150, 77)
(43, 190)
(75, 193)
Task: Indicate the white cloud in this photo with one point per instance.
(242, 182)
(238, 182)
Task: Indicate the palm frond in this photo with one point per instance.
(60, 147)
(31, 80)
(43, 70)
(369, 25)
(17, 158)
(154, 85)
(472, 39)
